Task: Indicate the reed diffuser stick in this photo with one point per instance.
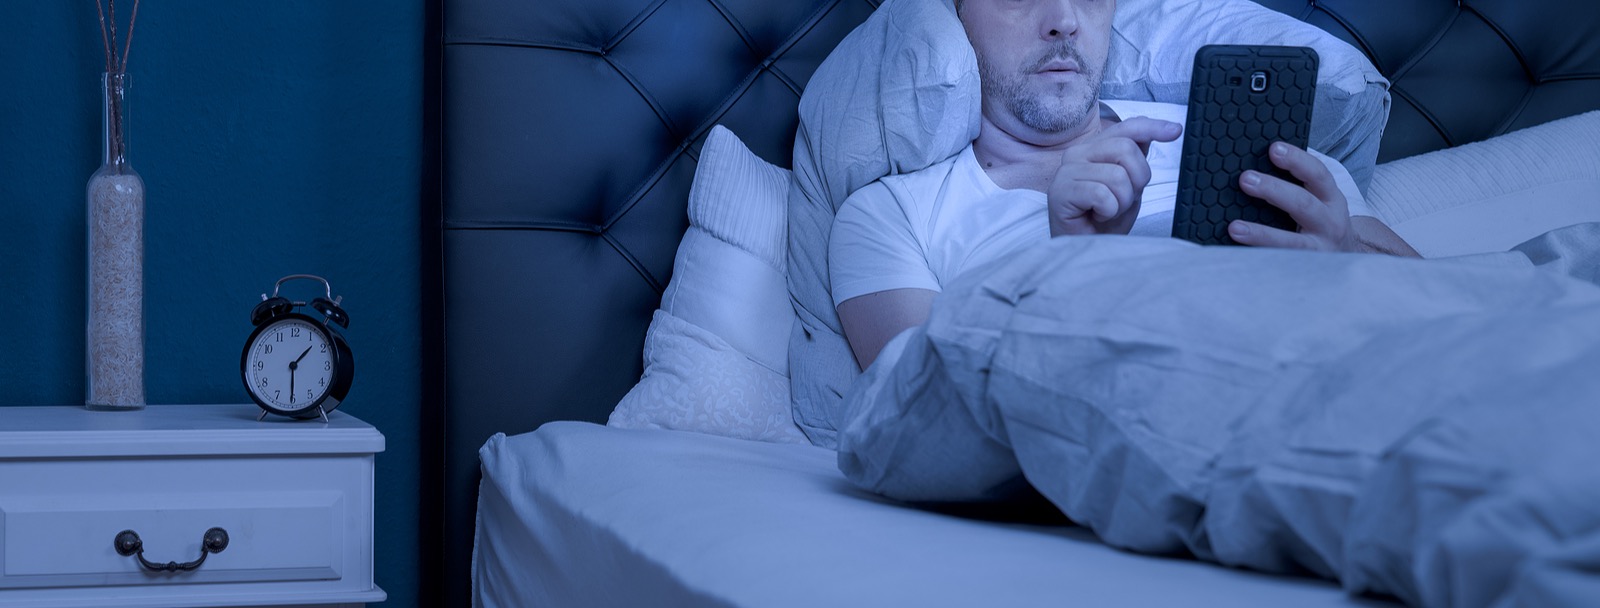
(104, 37)
(127, 45)
(116, 63)
(113, 32)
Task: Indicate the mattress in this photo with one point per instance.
(579, 514)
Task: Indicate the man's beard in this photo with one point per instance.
(1044, 111)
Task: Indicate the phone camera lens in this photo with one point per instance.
(1258, 82)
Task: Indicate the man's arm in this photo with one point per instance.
(1373, 236)
(871, 320)
(1095, 190)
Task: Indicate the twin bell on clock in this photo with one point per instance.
(294, 364)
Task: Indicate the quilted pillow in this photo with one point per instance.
(715, 355)
(901, 93)
(1494, 194)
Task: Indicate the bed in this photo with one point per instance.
(785, 529)
(570, 135)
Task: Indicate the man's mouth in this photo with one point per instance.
(1059, 65)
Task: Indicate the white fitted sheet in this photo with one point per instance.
(580, 514)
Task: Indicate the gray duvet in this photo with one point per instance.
(1426, 429)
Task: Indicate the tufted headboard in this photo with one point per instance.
(568, 134)
(571, 129)
(1466, 70)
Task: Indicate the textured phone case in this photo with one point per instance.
(1234, 115)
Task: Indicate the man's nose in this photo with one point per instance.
(1059, 19)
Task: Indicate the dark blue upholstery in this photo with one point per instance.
(1464, 71)
(570, 131)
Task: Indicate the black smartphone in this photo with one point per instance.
(1242, 99)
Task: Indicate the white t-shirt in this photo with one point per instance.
(920, 230)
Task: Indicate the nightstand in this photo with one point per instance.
(292, 499)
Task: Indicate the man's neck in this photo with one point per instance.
(1030, 161)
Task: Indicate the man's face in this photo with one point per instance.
(1041, 61)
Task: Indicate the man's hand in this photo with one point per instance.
(1102, 180)
(1319, 207)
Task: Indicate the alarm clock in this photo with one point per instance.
(294, 364)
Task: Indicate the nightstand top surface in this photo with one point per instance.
(173, 430)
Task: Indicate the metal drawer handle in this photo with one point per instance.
(128, 543)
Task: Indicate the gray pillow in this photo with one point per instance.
(898, 94)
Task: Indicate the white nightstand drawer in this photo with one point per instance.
(287, 519)
(295, 500)
(277, 537)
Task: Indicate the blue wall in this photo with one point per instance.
(274, 138)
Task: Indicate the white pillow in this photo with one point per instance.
(902, 92)
(1494, 194)
(1153, 44)
(728, 276)
(715, 355)
(695, 381)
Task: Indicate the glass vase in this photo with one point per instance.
(115, 345)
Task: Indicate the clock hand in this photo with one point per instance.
(293, 365)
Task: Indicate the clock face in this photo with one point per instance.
(289, 364)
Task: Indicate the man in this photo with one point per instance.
(1051, 159)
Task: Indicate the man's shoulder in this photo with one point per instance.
(933, 174)
(912, 187)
